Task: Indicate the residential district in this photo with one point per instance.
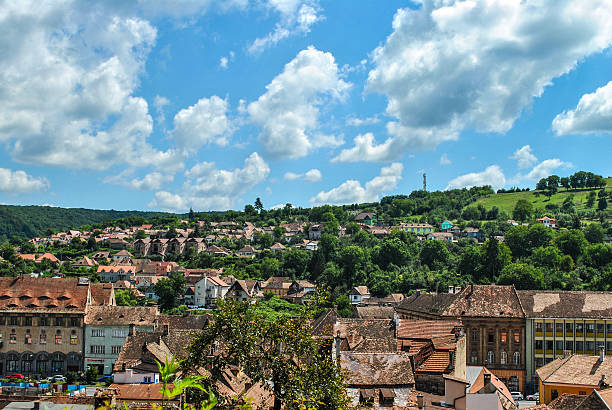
(463, 347)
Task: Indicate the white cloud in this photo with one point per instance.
(296, 17)
(203, 123)
(351, 191)
(160, 104)
(546, 168)
(312, 175)
(19, 182)
(288, 111)
(73, 70)
(524, 157)
(359, 122)
(151, 181)
(435, 68)
(444, 160)
(225, 60)
(592, 115)
(493, 176)
(209, 188)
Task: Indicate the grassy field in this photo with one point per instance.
(506, 202)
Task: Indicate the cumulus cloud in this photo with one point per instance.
(546, 168)
(151, 181)
(351, 191)
(296, 17)
(19, 182)
(289, 109)
(210, 188)
(524, 157)
(435, 67)
(312, 175)
(359, 122)
(444, 160)
(225, 60)
(493, 176)
(202, 123)
(592, 115)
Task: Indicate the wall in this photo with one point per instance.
(461, 357)
(546, 391)
(483, 402)
(131, 377)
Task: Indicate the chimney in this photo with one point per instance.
(602, 353)
(487, 378)
(337, 343)
(131, 330)
(166, 328)
(420, 403)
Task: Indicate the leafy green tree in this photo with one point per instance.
(351, 258)
(470, 263)
(280, 354)
(522, 276)
(91, 375)
(295, 263)
(258, 204)
(392, 251)
(125, 297)
(549, 257)
(602, 204)
(494, 258)
(170, 291)
(434, 254)
(597, 255)
(565, 182)
(571, 243)
(594, 233)
(590, 203)
(523, 210)
(343, 305)
(140, 234)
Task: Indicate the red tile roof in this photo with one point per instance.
(63, 294)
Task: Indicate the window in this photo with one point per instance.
(579, 347)
(27, 321)
(120, 332)
(11, 362)
(503, 337)
(26, 363)
(13, 321)
(569, 329)
(554, 394)
(538, 327)
(2, 321)
(559, 328)
(475, 333)
(517, 336)
(516, 358)
(97, 349)
(600, 329)
(43, 321)
(116, 349)
(582, 393)
(513, 383)
(549, 328)
(579, 329)
(539, 345)
(608, 326)
(474, 356)
(28, 337)
(539, 362)
(490, 357)
(590, 329)
(559, 347)
(58, 337)
(43, 337)
(13, 337)
(569, 345)
(609, 346)
(74, 339)
(75, 322)
(549, 346)
(59, 321)
(590, 347)
(491, 338)
(147, 379)
(97, 332)
(504, 357)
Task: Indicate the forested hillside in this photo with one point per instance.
(30, 221)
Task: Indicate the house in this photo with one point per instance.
(494, 323)
(158, 246)
(277, 247)
(446, 225)
(315, 231)
(440, 236)
(378, 380)
(245, 290)
(564, 322)
(358, 294)
(277, 285)
(299, 291)
(137, 396)
(101, 256)
(142, 246)
(106, 329)
(217, 251)
(41, 325)
(311, 246)
(480, 389)
(114, 273)
(176, 246)
(195, 245)
(247, 252)
(208, 290)
(100, 294)
(548, 222)
(366, 218)
(473, 233)
(574, 374)
(601, 399)
(117, 243)
(417, 228)
(122, 255)
(84, 262)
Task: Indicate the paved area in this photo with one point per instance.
(526, 403)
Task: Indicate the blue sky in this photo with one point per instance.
(211, 103)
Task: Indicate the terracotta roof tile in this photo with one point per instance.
(539, 303)
(27, 293)
(576, 369)
(120, 315)
(409, 328)
(374, 369)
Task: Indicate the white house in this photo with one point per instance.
(359, 294)
(548, 222)
(208, 290)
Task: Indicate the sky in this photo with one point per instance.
(209, 104)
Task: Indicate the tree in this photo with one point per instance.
(597, 256)
(170, 291)
(434, 254)
(125, 297)
(191, 214)
(258, 204)
(494, 258)
(91, 375)
(590, 203)
(522, 276)
(140, 234)
(602, 203)
(278, 353)
(594, 233)
(571, 243)
(565, 182)
(523, 210)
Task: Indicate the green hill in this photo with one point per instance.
(30, 221)
(506, 201)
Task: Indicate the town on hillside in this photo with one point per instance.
(477, 309)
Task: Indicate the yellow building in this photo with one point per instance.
(575, 374)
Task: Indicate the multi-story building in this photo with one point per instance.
(41, 325)
(494, 323)
(208, 290)
(560, 323)
(106, 330)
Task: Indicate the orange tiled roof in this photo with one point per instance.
(42, 293)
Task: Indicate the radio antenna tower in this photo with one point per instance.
(424, 181)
